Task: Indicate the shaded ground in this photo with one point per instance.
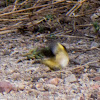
(79, 81)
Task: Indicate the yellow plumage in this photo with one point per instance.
(60, 58)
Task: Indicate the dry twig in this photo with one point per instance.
(76, 6)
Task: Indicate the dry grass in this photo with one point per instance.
(47, 15)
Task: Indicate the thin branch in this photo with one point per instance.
(77, 6)
(7, 31)
(31, 8)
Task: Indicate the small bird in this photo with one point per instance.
(59, 58)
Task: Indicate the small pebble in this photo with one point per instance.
(16, 76)
(70, 78)
(54, 81)
(21, 86)
(95, 45)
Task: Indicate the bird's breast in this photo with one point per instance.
(63, 59)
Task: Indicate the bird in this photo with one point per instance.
(59, 57)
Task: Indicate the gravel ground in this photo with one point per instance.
(23, 80)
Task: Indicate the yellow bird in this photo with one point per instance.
(60, 58)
